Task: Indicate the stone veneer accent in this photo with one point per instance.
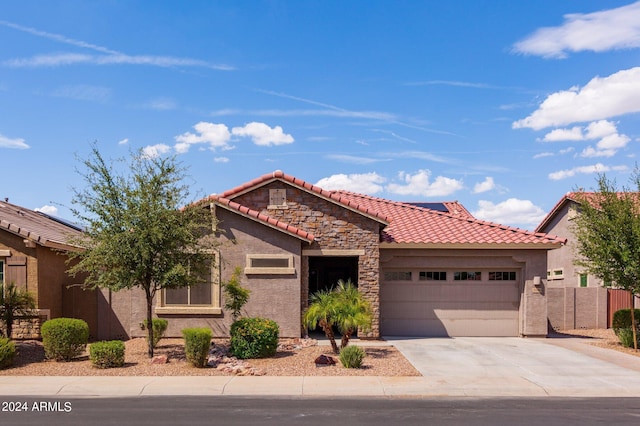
(334, 227)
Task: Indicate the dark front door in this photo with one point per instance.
(325, 272)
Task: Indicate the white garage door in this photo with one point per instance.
(456, 303)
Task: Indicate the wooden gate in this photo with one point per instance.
(617, 299)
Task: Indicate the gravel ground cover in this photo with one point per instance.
(604, 338)
(294, 358)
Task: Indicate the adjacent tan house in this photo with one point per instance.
(32, 247)
(428, 269)
(576, 299)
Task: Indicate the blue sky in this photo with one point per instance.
(502, 105)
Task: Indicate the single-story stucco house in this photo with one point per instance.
(32, 256)
(428, 269)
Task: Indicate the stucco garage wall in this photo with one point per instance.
(463, 308)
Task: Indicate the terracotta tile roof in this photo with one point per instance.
(329, 195)
(38, 227)
(406, 223)
(263, 218)
(416, 225)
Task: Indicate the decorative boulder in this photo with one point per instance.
(325, 361)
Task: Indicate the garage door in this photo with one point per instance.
(477, 303)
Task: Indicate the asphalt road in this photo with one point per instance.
(175, 411)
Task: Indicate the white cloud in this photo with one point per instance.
(263, 135)
(215, 135)
(512, 211)
(573, 134)
(601, 98)
(487, 185)
(123, 141)
(161, 104)
(47, 209)
(221, 160)
(83, 92)
(598, 31)
(109, 56)
(153, 151)
(600, 129)
(543, 155)
(595, 168)
(420, 184)
(16, 143)
(366, 183)
(354, 159)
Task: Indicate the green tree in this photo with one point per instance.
(607, 231)
(343, 307)
(236, 296)
(14, 303)
(140, 231)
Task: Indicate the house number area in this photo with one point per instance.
(36, 406)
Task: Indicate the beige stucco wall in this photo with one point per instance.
(531, 263)
(563, 257)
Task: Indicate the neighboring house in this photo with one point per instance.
(32, 247)
(428, 269)
(575, 298)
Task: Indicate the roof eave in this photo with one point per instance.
(473, 246)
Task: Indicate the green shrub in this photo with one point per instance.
(108, 354)
(159, 328)
(622, 319)
(254, 338)
(7, 352)
(352, 356)
(625, 335)
(64, 338)
(197, 342)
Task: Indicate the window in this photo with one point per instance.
(557, 274)
(277, 198)
(269, 264)
(467, 276)
(584, 280)
(397, 276)
(502, 276)
(203, 298)
(432, 276)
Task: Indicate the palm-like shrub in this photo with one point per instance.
(14, 303)
(343, 307)
(352, 357)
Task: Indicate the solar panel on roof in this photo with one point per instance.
(432, 206)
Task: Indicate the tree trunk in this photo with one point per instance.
(346, 336)
(328, 331)
(149, 322)
(633, 322)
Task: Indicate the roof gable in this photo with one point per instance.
(405, 224)
(35, 226)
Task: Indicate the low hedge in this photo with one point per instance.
(7, 352)
(197, 342)
(108, 354)
(622, 319)
(64, 338)
(254, 338)
(159, 328)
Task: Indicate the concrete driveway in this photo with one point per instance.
(477, 366)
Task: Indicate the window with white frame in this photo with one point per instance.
(555, 274)
(432, 276)
(398, 276)
(203, 298)
(502, 276)
(270, 264)
(467, 276)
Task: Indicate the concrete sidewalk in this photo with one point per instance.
(460, 367)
